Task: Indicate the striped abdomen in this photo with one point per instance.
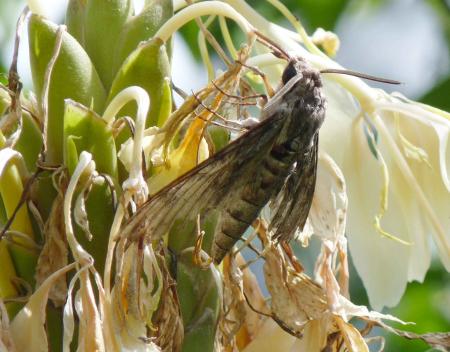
(244, 207)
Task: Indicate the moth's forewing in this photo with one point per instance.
(232, 180)
(291, 207)
(205, 186)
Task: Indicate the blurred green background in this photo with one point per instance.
(406, 40)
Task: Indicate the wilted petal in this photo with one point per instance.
(54, 254)
(329, 208)
(306, 299)
(315, 335)
(352, 337)
(6, 341)
(234, 305)
(191, 151)
(253, 321)
(90, 325)
(153, 278)
(169, 330)
(125, 301)
(151, 144)
(328, 218)
(90, 336)
(28, 327)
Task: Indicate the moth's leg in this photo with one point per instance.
(249, 121)
(239, 97)
(259, 255)
(280, 322)
(292, 258)
(199, 253)
(245, 87)
(257, 71)
(232, 125)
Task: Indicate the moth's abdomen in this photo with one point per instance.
(246, 203)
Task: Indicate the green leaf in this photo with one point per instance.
(73, 77)
(319, 13)
(313, 13)
(438, 95)
(199, 291)
(422, 303)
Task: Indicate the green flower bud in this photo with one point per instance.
(73, 76)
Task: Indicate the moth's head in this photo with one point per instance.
(301, 93)
(299, 66)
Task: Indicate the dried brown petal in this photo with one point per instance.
(168, 323)
(438, 340)
(253, 321)
(233, 310)
(296, 298)
(54, 254)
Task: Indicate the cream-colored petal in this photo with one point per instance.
(380, 262)
(432, 180)
(341, 110)
(271, 338)
(28, 327)
(314, 335)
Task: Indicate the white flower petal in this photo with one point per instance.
(329, 208)
(341, 110)
(432, 181)
(379, 261)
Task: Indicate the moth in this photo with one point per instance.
(275, 161)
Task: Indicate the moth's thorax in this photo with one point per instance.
(304, 102)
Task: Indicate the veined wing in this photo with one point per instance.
(292, 205)
(205, 186)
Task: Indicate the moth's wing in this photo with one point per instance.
(207, 184)
(291, 206)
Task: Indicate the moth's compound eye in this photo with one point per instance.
(289, 72)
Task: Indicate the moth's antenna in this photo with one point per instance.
(360, 75)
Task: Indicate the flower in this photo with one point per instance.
(394, 156)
